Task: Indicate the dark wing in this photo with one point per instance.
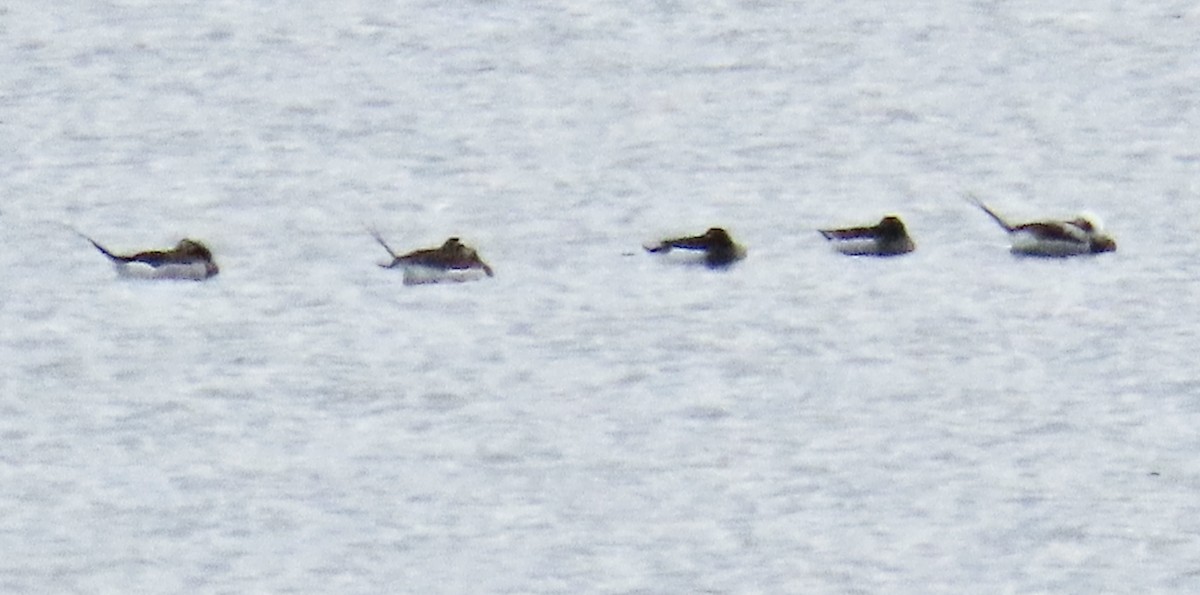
(430, 257)
(156, 258)
(689, 243)
(1055, 232)
(850, 233)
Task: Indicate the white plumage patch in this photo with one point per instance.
(422, 275)
(857, 247)
(196, 271)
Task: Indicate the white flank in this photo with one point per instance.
(1027, 244)
(423, 275)
(196, 271)
(856, 247)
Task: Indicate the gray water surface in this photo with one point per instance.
(594, 419)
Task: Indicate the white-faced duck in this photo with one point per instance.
(1070, 237)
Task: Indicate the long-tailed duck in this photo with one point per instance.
(1053, 238)
(189, 259)
(886, 238)
(452, 261)
(719, 249)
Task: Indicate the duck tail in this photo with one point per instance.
(102, 249)
(657, 247)
(392, 253)
(971, 198)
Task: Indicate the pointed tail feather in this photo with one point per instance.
(379, 238)
(995, 217)
(102, 249)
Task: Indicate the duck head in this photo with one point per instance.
(891, 228)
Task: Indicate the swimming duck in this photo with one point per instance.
(189, 259)
(719, 248)
(886, 238)
(452, 261)
(1053, 238)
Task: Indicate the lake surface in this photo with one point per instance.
(595, 419)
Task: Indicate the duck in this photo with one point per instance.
(1053, 238)
(452, 261)
(889, 237)
(718, 246)
(188, 260)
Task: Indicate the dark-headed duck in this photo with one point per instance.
(719, 249)
(886, 238)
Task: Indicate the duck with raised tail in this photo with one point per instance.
(189, 260)
(452, 261)
(1052, 238)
